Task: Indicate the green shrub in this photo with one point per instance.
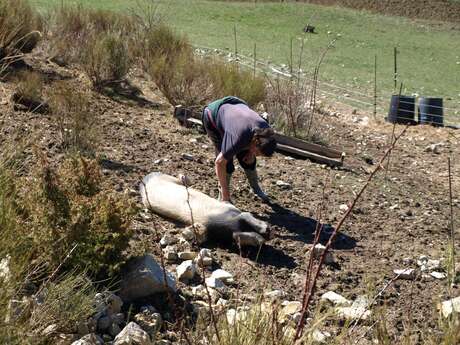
(105, 59)
(229, 79)
(70, 211)
(77, 125)
(20, 28)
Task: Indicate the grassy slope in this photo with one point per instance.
(428, 54)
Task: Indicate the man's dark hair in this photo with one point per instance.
(266, 142)
(267, 146)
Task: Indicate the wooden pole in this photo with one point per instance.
(255, 59)
(236, 42)
(395, 77)
(375, 87)
(291, 58)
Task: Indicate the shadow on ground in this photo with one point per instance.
(301, 228)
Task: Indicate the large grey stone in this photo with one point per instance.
(145, 277)
(132, 334)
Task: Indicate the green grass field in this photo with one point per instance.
(428, 59)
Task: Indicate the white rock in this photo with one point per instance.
(214, 283)
(188, 234)
(222, 275)
(358, 310)
(438, 275)
(234, 316)
(187, 255)
(318, 250)
(168, 240)
(335, 298)
(343, 208)
(450, 306)
(149, 322)
(170, 253)
(90, 339)
(205, 253)
(275, 294)
(5, 273)
(320, 337)
(433, 265)
(434, 148)
(132, 334)
(283, 185)
(144, 277)
(186, 270)
(407, 273)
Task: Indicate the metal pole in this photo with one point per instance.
(375, 87)
(395, 77)
(236, 43)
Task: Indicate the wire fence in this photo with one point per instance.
(370, 104)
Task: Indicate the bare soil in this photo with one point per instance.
(402, 215)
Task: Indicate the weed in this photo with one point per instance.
(105, 58)
(77, 125)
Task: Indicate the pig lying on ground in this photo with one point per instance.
(223, 222)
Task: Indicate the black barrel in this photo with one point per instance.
(430, 111)
(402, 109)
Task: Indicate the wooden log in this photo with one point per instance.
(310, 155)
(307, 146)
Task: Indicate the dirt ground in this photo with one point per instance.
(404, 215)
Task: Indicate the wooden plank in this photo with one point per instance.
(307, 146)
(310, 155)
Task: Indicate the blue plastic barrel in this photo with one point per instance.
(402, 109)
(430, 111)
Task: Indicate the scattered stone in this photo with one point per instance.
(283, 185)
(5, 273)
(335, 298)
(144, 277)
(215, 284)
(188, 234)
(224, 276)
(358, 310)
(148, 309)
(114, 304)
(149, 322)
(186, 270)
(450, 306)
(132, 334)
(438, 275)
(290, 308)
(318, 250)
(114, 330)
(188, 255)
(188, 156)
(170, 254)
(320, 337)
(408, 261)
(51, 329)
(89, 339)
(434, 148)
(343, 208)
(408, 273)
(167, 240)
(275, 294)
(234, 316)
(103, 323)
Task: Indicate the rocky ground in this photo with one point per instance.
(401, 222)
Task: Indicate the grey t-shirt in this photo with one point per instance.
(237, 122)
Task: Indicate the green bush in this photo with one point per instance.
(105, 58)
(70, 211)
(229, 79)
(20, 28)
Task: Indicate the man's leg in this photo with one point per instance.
(251, 174)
